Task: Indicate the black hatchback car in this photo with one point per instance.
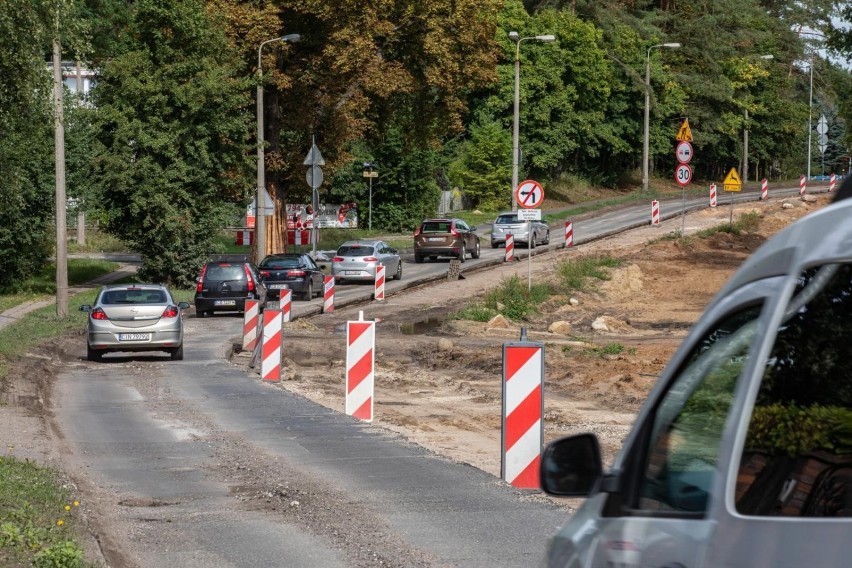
(224, 286)
(295, 271)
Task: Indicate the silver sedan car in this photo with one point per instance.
(134, 317)
(509, 224)
(357, 260)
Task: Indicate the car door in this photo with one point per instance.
(387, 258)
(467, 235)
(315, 273)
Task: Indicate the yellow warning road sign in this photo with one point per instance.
(684, 134)
(732, 181)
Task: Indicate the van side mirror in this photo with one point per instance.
(572, 466)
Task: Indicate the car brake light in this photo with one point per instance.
(370, 259)
(295, 273)
(200, 286)
(99, 314)
(264, 274)
(455, 233)
(249, 279)
(337, 259)
(170, 312)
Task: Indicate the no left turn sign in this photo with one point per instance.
(529, 194)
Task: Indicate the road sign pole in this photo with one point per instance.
(530, 245)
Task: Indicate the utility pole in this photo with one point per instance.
(81, 213)
(59, 150)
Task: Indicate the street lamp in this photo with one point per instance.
(514, 36)
(645, 141)
(260, 200)
(370, 174)
(745, 131)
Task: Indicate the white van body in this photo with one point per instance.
(741, 456)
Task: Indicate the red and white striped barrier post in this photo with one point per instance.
(832, 183)
(328, 295)
(270, 365)
(379, 293)
(360, 368)
(250, 320)
(245, 238)
(712, 195)
(803, 185)
(655, 212)
(285, 304)
(764, 189)
(523, 412)
(510, 248)
(569, 234)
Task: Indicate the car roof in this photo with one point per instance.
(285, 255)
(141, 286)
(368, 242)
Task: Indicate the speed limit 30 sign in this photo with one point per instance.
(683, 174)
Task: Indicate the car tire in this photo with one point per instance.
(462, 253)
(93, 354)
(476, 251)
(418, 259)
(398, 275)
(177, 353)
(203, 313)
(531, 243)
(546, 238)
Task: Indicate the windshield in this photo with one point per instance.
(355, 250)
(134, 297)
(507, 219)
(289, 262)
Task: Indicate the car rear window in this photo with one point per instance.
(225, 272)
(134, 297)
(276, 263)
(435, 227)
(507, 219)
(355, 250)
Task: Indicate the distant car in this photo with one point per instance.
(224, 286)
(295, 271)
(445, 237)
(508, 224)
(357, 260)
(134, 317)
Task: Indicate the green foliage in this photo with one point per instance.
(607, 350)
(483, 166)
(746, 223)
(515, 298)
(794, 430)
(65, 554)
(573, 274)
(475, 312)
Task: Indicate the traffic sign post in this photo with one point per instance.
(732, 184)
(314, 177)
(683, 172)
(529, 195)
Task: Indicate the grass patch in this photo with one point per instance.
(515, 299)
(573, 274)
(745, 223)
(602, 351)
(43, 285)
(97, 241)
(475, 312)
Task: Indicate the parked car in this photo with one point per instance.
(445, 237)
(295, 271)
(133, 318)
(508, 224)
(742, 453)
(224, 286)
(357, 260)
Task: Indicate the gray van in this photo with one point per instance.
(742, 453)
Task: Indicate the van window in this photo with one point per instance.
(689, 421)
(797, 457)
(221, 272)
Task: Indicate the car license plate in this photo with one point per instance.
(225, 303)
(435, 239)
(351, 273)
(278, 286)
(134, 336)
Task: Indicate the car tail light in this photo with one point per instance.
(200, 286)
(265, 274)
(337, 259)
(371, 259)
(99, 314)
(419, 229)
(455, 233)
(170, 312)
(249, 278)
(296, 273)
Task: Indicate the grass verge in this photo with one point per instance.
(43, 285)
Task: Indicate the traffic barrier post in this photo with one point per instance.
(379, 293)
(764, 189)
(270, 363)
(832, 183)
(510, 248)
(523, 412)
(655, 212)
(569, 234)
(712, 195)
(360, 368)
(803, 185)
(328, 295)
(285, 304)
(250, 321)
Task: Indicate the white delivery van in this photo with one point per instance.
(742, 455)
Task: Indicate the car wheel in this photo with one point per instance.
(177, 353)
(475, 253)
(418, 259)
(398, 270)
(93, 354)
(546, 238)
(495, 245)
(462, 253)
(531, 243)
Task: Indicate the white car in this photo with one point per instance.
(357, 260)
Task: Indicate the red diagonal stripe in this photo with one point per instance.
(523, 418)
(516, 357)
(356, 329)
(363, 412)
(359, 371)
(528, 479)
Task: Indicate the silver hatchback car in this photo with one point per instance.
(357, 260)
(508, 224)
(134, 317)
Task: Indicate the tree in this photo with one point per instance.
(174, 157)
(483, 166)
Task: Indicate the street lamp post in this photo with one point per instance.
(515, 36)
(260, 200)
(745, 132)
(370, 174)
(645, 139)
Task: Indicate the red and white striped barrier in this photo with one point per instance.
(285, 304)
(764, 189)
(245, 238)
(803, 185)
(655, 212)
(328, 295)
(379, 293)
(299, 237)
(523, 412)
(569, 234)
(270, 365)
(250, 319)
(712, 195)
(360, 368)
(510, 248)
(832, 183)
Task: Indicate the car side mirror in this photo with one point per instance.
(197, 279)
(183, 305)
(85, 308)
(572, 466)
(323, 266)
